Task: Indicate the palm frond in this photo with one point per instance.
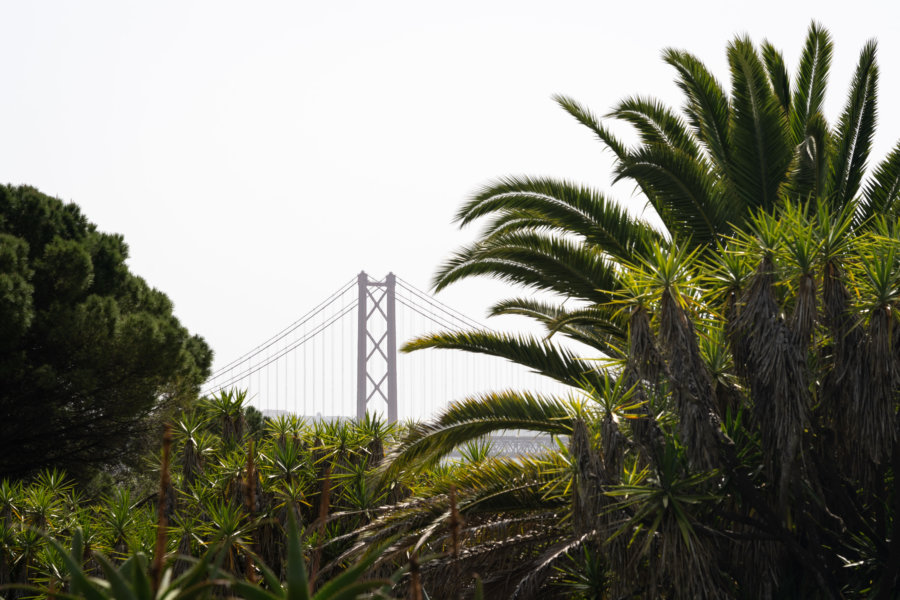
(537, 260)
(584, 116)
(778, 75)
(883, 189)
(564, 206)
(656, 124)
(505, 485)
(541, 356)
(812, 79)
(807, 181)
(707, 104)
(596, 326)
(684, 193)
(855, 131)
(471, 419)
(530, 585)
(758, 133)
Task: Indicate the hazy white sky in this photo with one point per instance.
(257, 155)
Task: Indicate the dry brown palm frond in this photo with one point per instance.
(233, 428)
(612, 445)
(689, 562)
(691, 383)
(540, 568)
(757, 564)
(846, 339)
(643, 368)
(777, 371)
(588, 499)
(804, 316)
(191, 461)
(835, 300)
(506, 561)
(644, 358)
(860, 387)
(874, 417)
(375, 451)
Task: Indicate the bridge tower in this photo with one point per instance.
(376, 311)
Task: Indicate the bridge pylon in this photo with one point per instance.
(376, 303)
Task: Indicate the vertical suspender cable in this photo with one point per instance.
(342, 356)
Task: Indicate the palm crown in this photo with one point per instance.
(745, 336)
(705, 172)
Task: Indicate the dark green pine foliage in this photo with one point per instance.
(88, 350)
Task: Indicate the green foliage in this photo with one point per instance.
(739, 436)
(89, 353)
(240, 521)
(707, 171)
(742, 422)
(346, 586)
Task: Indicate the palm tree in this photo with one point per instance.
(705, 172)
(746, 446)
(701, 388)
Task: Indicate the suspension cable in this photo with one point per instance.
(450, 310)
(293, 346)
(281, 334)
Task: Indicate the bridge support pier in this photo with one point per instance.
(376, 300)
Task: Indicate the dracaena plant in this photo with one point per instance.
(705, 170)
(744, 445)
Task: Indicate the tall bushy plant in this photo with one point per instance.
(752, 335)
(746, 447)
(220, 493)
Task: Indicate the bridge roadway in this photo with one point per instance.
(505, 444)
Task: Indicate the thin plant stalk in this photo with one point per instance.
(415, 584)
(162, 521)
(250, 488)
(324, 502)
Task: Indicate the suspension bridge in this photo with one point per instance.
(341, 360)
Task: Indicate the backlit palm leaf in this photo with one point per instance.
(761, 152)
(855, 131)
(540, 356)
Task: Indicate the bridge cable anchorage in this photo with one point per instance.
(290, 328)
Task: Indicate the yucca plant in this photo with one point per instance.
(193, 444)
(228, 410)
(213, 486)
(118, 515)
(705, 170)
(752, 334)
(228, 526)
(128, 580)
(284, 428)
(348, 585)
(751, 420)
(585, 577)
